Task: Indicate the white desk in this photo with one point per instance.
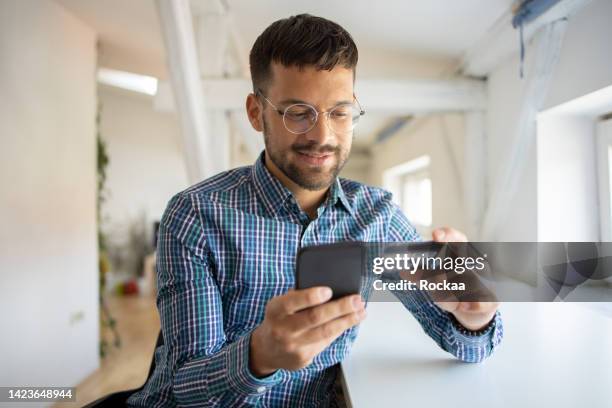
(552, 355)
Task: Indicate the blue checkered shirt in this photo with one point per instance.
(226, 246)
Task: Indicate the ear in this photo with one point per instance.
(254, 112)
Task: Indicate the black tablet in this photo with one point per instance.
(339, 266)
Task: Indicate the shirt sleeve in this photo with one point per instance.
(438, 323)
(206, 369)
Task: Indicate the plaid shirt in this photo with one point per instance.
(226, 246)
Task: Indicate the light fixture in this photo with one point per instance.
(128, 80)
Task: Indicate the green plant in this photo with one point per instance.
(106, 318)
(102, 164)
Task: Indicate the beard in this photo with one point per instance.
(312, 179)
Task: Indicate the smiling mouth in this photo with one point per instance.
(314, 158)
(319, 155)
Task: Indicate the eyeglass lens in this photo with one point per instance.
(300, 118)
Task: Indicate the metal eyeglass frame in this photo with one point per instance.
(282, 113)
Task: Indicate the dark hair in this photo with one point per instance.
(300, 41)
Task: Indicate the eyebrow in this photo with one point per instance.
(292, 101)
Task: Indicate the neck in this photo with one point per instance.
(308, 200)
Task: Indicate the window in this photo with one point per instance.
(416, 197)
(411, 186)
(604, 159)
(573, 169)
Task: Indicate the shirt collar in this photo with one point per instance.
(275, 195)
(336, 194)
(272, 192)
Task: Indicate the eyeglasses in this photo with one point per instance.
(300, 118)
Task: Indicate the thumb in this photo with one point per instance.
(438, 234)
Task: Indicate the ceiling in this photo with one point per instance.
(398, 38)
(130, 35)
(433, 27)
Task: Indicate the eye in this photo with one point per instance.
(299, 113)
(341, 112)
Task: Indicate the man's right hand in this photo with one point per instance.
(299, 325)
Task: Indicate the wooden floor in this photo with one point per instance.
(125, 367)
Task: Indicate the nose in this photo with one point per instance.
(321, 132)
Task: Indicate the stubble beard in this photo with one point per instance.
(315, 179)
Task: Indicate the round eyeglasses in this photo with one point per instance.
(300, 118)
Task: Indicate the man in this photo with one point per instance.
(236, 332)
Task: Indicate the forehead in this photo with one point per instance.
(309, 84)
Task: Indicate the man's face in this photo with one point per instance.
(311, 160)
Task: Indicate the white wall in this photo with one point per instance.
(425, 135)
(567, 179)
(586, 62)
(146, 165)
(379, 63)
(505, 93)
(442, 138)
(584, 66)
(358, 166)
(48, 243)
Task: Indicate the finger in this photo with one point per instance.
(448, 306)
(435, 287)
(443, 296)
(324, 334)
(296, 300)
(447, 234)
(438, 234)
(321, 314)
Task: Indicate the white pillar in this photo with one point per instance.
(212, 37)
(177, 28)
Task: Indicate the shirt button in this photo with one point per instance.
(261, 389)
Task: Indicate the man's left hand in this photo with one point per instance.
(471, 315)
